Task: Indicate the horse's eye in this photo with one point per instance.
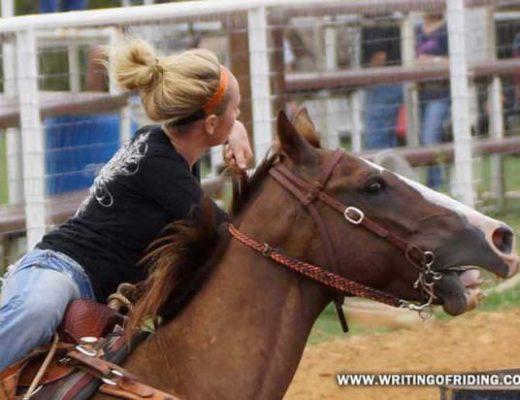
(375, 186)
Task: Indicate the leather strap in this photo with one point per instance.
(133, 390)
(95, 365)
(284, 176)
(118, 381)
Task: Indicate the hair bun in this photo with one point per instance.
(193, 77)
(136, 66)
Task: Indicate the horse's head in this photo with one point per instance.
(413, 227)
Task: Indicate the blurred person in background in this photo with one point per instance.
(95, 75)
(434, 96)
(382, 102)
(150, 182)
(52, 6)
(300, 57)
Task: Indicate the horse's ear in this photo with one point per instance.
(290, 141)
(305, 127)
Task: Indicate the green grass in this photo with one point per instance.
(507, 299)
(3, 170)
(511, 170)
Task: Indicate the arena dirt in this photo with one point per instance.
(475, 341)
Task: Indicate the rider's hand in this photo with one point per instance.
(238, 149)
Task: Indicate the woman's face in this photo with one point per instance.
(226, 120)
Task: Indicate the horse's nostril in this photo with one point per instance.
(503, 239)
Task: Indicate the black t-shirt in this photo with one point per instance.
(145, 186)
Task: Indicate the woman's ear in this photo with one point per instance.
(210, 124)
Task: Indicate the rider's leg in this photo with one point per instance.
(34, 297)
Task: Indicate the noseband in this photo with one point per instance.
(310, 192)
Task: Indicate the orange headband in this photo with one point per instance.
(217, 97)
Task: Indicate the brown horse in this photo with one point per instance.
(235, 326)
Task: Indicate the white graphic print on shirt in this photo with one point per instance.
(125, 162)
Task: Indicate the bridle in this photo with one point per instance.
(308, 193)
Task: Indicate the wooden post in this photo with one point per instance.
(277, 23)
(240, 66)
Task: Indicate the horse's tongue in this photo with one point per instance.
(471, 278)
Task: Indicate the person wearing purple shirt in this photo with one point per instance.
(434, 96)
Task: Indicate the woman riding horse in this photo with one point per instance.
(151, 181)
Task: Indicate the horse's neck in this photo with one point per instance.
(241, 337)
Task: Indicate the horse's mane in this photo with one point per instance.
(183, 256)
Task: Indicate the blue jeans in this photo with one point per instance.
(51, 6)
(35, 293)
(382, 103)
(434, 113)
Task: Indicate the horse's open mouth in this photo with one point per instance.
(459, 290)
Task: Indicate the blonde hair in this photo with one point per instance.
(171, 88)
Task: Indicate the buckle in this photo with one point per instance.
(88, 340)
(112, 377)
(86, 351)
(355, 219)
(87, 346)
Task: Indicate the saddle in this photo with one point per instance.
(84, 361)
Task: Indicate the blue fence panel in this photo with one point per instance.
(76, 147)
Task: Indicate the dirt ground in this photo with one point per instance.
(476, 341)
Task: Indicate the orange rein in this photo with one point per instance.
(217, 97)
